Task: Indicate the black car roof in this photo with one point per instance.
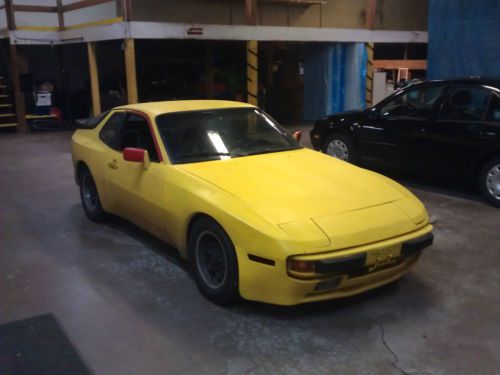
(489, 81)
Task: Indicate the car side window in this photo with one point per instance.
(416, 102)
(109, 132)
(136, 133)
(465, 103)
(494, 109)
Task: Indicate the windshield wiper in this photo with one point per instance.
(271, 150)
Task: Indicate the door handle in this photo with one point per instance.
(112, 164)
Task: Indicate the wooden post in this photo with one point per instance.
(209, 70)
(94, 78)
(370, 13)
(60, 14)
(251, 12)
(130, 71)
(19, 66)
(126, 10)
(9, 12)
(252, 55)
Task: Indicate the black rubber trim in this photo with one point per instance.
(417, 245)
(341, 265)
(258, 259)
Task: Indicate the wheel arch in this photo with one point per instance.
(80, 167)
(190, 223)
(482, 160)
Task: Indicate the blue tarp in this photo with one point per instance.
(464, 38)
(334, 78)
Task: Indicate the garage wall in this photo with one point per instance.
(94, 13)
(36, 19)
(391, 14)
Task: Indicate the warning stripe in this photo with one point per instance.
(252, 67)
(252, 72)
(369, 74)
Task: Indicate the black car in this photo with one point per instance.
(448, 129)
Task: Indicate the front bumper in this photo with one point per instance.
(315, 137)
(339, 274)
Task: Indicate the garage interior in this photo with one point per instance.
(112, 299)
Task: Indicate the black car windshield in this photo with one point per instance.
(196, 136)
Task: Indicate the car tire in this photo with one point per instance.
(90, 197)
(489, 181)
(339, 146)
(214, 262)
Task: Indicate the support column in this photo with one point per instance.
(252, 54)
(60, 15)
(369, 75)
(252, 72)
(130, 71)
(94, 78)
(370, 14)
(19, 66)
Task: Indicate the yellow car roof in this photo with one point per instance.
(156, 108)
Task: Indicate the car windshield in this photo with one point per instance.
(196, 136)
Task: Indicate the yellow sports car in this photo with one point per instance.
(256, 214)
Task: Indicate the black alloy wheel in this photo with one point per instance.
(339, 146)
(90, 197)
(214, 261)
(489, 181)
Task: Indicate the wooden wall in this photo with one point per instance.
(391, 14)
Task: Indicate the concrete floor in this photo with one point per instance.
(129, 306)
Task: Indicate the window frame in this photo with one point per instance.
(116, 137)
(434, 110)
(493, 95)
(448, 97)
(129, 112)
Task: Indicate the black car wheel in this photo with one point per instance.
(214, 261)
(339, 146)
(489, 181)
(90, 197)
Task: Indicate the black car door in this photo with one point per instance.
(461, 131)
(398, 122)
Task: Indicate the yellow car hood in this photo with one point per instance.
(296, 185)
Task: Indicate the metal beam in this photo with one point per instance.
(164, 30)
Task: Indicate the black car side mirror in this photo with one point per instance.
(374, 114)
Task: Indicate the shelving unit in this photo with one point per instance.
(7, 110)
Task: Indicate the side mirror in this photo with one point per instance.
(297, 135)
(374, 114)
(136, 155)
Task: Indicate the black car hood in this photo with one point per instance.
(347, 115)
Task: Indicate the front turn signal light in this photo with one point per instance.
(301, 268)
